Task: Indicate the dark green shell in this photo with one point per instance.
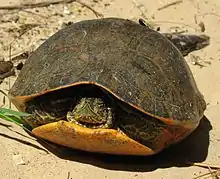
(135, 63)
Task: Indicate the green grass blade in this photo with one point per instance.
(15, 117)
(13, 113)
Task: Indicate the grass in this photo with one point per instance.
(15, 117)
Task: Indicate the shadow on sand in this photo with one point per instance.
(193, 149)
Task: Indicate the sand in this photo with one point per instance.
(24, 157)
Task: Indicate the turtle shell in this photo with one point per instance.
(137, 65)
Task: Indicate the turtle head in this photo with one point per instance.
(91, 112)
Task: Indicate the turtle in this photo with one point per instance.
(109, 86)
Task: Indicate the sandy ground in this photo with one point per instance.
(24, 157)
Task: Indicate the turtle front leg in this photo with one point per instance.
(39, 118)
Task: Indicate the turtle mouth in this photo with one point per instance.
(89, 125)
